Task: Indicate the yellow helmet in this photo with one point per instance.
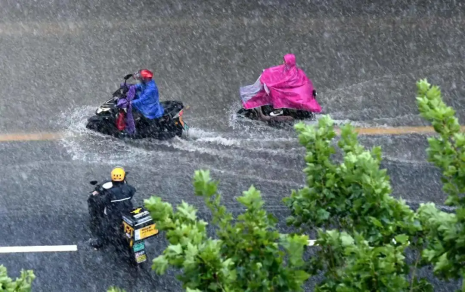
(118, 174)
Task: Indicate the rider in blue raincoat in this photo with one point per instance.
(146, 100)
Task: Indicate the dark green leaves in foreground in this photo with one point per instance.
(248, 255)
(446, 231)
(21, 284)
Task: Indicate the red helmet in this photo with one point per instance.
(146, 74)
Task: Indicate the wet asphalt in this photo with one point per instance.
(60, 59)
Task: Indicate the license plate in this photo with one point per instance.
(145, 232)
(141, 257)
(139, 246)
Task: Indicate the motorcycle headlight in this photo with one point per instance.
(100, 110)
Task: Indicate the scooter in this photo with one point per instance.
(267, 113)
(105, 120)
(136, 226)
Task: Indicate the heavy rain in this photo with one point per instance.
(61, 59)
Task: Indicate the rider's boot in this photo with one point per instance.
(277, 112)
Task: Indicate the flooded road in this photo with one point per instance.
(61, 59)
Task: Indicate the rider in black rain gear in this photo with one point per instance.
(110, 204)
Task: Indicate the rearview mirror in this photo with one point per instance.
(128, 76)
(93, 182)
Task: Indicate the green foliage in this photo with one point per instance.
(354, 265)
(189, 247)
(249, 254)
(21, 284)
(446, 231)
(446, 151)
(353, 195)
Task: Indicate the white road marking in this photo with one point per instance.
(48, 248)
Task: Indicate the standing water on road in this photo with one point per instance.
(61, 59)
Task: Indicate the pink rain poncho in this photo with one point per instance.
(282, 86)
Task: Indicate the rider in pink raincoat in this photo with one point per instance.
(282, 86)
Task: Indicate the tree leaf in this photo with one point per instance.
(402, 239)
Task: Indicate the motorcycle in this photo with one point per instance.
(266, 113)
(136, 227)
(106, 118)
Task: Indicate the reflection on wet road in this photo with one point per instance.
(61, 59)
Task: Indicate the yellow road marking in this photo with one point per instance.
(50, 136)
(30, 136)
(394, 130)
(397, 130)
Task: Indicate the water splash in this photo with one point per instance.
(83, 144)
(87, 145)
